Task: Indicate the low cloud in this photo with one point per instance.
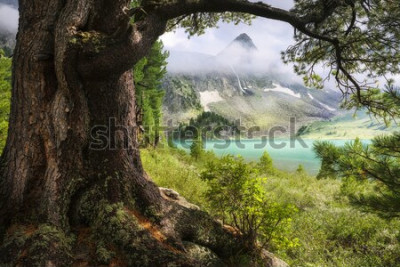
(270, 37)
(8, 19)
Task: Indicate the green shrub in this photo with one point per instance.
(326, 230)
(237, 196)
(265, 164)
(300, 170)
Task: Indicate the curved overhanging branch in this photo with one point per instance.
(307, 21)
(152, 17)
(122, 55)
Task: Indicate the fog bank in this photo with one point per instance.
(8, 19)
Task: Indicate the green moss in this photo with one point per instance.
(95, 41)
(128, 236)
(13, 245)
(37, 247)
(49, 243)
(104, 255)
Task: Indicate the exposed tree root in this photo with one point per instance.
(117, 235)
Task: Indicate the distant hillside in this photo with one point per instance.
(348, 126)
(233, 85)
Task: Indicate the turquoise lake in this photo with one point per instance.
(286, 154)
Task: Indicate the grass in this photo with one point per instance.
(349, 127)
(174, 169)
(330, 232)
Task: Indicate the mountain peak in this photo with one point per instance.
(245, 41)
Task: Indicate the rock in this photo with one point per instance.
(204, 256)
(170, 193)
(272, 260)
(174, 196)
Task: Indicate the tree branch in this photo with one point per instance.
(143, 33)
(121, 56)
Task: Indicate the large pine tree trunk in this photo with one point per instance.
(68, 194)
(60, 103)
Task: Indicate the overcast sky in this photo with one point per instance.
(271, 37)
(8, 18)
(266, 34)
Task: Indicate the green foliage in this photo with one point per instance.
(175, 169)
(351, 37)
(148, 73)
(265, 164)
(329, 154)
(197, 23)
(328, 231)
(128, 236)
(48, 240)
(6, 51)
(373, 169)
(300, 170)
(170, 141)
(340, 236)
(197, 148)
(208, 125)
(237, 196)
(5, 95)
(36, 246)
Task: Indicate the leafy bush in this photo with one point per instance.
(301, 170)
(237, 196)
(265, 164)
(326, 230)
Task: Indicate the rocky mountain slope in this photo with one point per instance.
(234, 85)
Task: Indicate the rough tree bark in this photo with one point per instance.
(62, 202)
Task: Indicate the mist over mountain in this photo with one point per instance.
(8, 23)
(241, 56)
(241, 82)
(244, 41)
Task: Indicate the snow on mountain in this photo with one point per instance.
(236, 84)
(280, 89)
(209, 97)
